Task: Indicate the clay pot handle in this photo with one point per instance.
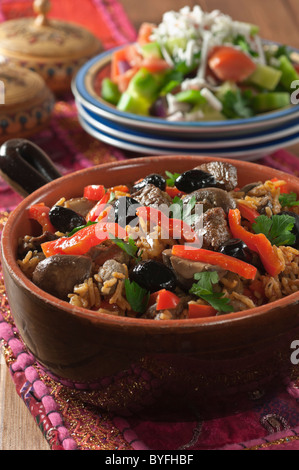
(25, 166)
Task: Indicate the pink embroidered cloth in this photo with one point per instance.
(66, 420)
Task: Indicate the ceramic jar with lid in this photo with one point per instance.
(26, 103)
(54, 49)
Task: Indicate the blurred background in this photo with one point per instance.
(278, 19)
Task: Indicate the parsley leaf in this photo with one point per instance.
(129, 247)
(184, 212)
(136, 296)
(237, 104)
(171, 178)
(278, 228)
(204, 289)
(288, 200)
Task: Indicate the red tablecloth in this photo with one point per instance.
(67, 420)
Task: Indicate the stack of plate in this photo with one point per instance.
(246, 139)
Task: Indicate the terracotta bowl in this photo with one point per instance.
(134, 362)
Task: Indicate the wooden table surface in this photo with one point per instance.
(278, 21)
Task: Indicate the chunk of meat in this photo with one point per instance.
(216, 231)
(109, 274)
(211, 198)
(29, 243)
(58, 274)
(81, 205)
(108, 251)
(225, 174)
(152, 196)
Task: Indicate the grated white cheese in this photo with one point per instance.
(211, 99)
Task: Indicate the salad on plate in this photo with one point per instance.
(197, 66)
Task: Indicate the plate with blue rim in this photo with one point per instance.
(85, 92)
(248, 152)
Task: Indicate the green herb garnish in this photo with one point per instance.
(204, 289)
(278, 228)
(136, 296)
(236, 104)
(171, 178)
(184, 212)
(288, 200)
(128, 247)
(75, 230)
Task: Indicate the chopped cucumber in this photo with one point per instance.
(169, 87)
(152, 49)
(172, 44)
(110, 91)
(146, 85)
(190, 96)
(264, 102)
(133, 104)
(289, 73)
(265, 77)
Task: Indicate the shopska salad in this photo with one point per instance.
(197, 66)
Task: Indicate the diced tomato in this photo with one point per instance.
(124, 79)
(200, 311)
(247, 212)
(40, 213)
(117, 56)
(144, 33)
(154, 65)
(167, 300)
(296, 67)
(94, 192)
(230, 64)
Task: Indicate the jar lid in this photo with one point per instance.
(45, 39)
(26, 103)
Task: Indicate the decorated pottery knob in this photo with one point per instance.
(54, 49)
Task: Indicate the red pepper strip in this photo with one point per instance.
(97, 210)
(200, 311)
(173, 192)
(166, 300)
(172, 228)
(82, 241)
(40, 213)
(247, 212)
(121, 188)
(94, 192)
(216, 259)
(283, 187)
(258, 243)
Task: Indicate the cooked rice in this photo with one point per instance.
(256, 197)
(86, 295)
(29, 262)
(287, 282)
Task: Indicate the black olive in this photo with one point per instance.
(154, 179)
(192, 180)
(237, 249)
(295, 229)
(153, 276)
(64, 219)
(125, 210)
